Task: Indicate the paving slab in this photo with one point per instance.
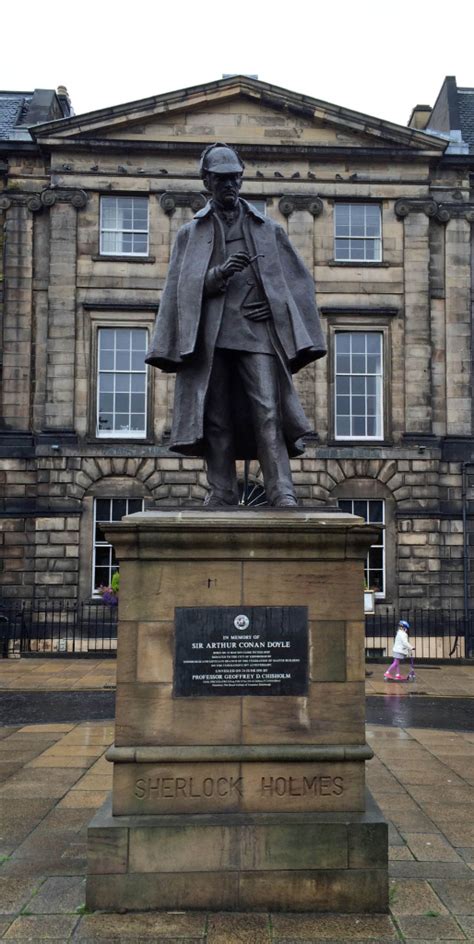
(430, 847)
(414, 897)
(309, 927)
(430, 870)
(14, 894)
(143, 926)
(35, 928)
(58, 895)
(431, 928)
(239, 929)
(458, 896)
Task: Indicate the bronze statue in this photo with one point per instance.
(238, 316)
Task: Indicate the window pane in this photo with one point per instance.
(357, 232)
(345, 505)
(122, 383)
(119, 508)
(138, 360)
(360, 508)
(370, 510)
(110, 243)
(104, 559)
(375, 511)
(123, 338)
(358, 426)
(374, 342)
(137, 402)
(358, 406)
(137, 422)
(376, 558)
(343, 364)
(122, 422)
(358, 342)
(106, 360)
(122, 402)
(343, 342)
(123, 360)
(358, 386)
(102, 509)
(139, 243)
(106, 421)
(106, 402)
(343, 426)
(102, 556)
(124, 225)
(343, 406)
(139, 339)
(342, 249)
(120, 351)
(358, 364)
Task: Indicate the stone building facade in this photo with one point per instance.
(382, 215)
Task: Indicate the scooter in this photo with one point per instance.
(409, 677)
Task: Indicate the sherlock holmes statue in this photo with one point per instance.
(238, 316)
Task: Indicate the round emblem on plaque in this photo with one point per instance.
(241, 621)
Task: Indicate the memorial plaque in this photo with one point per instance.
(231, 650)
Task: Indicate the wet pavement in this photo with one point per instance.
(46, 707)
(54, 776)
(418, 711)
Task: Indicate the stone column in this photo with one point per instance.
(17, 331)
(59, 409)
(41, 262)
(458, 328)
(417, 324)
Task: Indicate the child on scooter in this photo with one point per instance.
(401, 647)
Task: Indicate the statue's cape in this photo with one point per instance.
(187, 326)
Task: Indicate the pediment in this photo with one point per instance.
(242, 111)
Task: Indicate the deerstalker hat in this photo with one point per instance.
(221, 159)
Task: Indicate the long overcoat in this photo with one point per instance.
(187, 326)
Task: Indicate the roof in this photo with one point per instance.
(466, 115)
(453, 116)
(19, 111)
(13, 111)
(121, 120)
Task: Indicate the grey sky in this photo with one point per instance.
(374, 57)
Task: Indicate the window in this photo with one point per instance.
(104, 561)
(124, 226)
(371, 510)
(121, 382)
(358, 385)
(357, 232)
(260, 205)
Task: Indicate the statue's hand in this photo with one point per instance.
(235, 263)
(257, 311)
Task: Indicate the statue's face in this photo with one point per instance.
(224, 188)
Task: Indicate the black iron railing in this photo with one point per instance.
(436, 634)
(57, 627)
(63, 628)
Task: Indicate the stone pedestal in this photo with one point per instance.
(249, 801)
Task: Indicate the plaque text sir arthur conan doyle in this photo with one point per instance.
(241, 651)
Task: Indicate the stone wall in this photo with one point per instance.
(42, 554)
(59, 289)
